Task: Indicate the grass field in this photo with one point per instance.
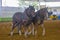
(52, 32)
(5, 19)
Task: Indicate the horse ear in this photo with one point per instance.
(33, 5)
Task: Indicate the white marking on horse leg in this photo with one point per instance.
(43, 32)
(43, 29)
(33, 30)
(13, 26)
(11, 33)
(19, 32)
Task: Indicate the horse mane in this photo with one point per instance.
(29, 8)
(26, 10)
(29, 11)
(42, 10)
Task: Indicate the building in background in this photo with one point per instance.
(9, 9)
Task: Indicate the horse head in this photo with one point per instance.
(42, 13)
(30, 11)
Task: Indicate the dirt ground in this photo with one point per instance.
(52, 32)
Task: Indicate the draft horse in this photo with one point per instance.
(40, 16)
(22, 18)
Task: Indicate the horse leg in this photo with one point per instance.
(32, 29)
(35, 27)
(13, 26)
(12, 30)
(27, 26)
(26, 31)
(42, 25)
(19, 29)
